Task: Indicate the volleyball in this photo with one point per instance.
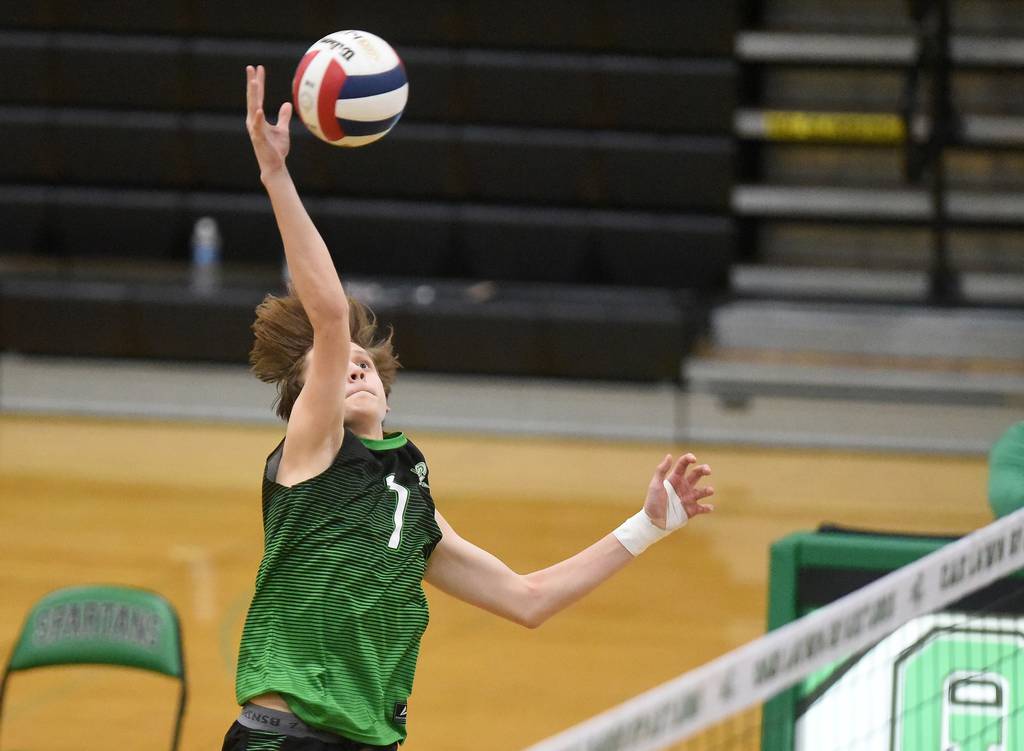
(350, 88)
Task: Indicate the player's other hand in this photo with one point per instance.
(685, 479)
(270, 142)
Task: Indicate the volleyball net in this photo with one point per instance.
(927, 656)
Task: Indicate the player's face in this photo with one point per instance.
(364, 392)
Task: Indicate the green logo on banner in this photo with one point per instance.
(959, 689)
(941, 682)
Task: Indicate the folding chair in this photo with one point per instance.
(102, 625)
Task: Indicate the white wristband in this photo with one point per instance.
(638, 532)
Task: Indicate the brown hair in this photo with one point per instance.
(284, 335)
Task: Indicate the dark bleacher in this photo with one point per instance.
(544, 142)
(651, 27)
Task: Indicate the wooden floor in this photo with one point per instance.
(175, 507)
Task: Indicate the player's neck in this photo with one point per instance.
(369, 429)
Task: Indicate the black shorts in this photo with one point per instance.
(241, 738)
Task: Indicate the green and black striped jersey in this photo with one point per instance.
(336, 619)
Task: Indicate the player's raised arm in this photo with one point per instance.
(475, 576)
(315, 428)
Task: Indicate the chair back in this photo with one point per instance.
(102, 625)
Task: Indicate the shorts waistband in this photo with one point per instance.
(256, 717)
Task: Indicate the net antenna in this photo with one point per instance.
(742, 679)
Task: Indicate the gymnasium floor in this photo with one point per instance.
(174, 506)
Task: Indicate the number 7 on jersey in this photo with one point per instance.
(403, 498)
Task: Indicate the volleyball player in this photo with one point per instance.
(350, 529)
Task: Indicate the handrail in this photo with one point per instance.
(925, 159)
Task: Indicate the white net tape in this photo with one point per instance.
(743, 678)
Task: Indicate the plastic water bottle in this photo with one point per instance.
(206, 245)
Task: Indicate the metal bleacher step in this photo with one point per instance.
(973, 17)
(849, 375)
(874, 204)
(871, 330)
(737, 381)
(905, 286)
(869, 375)
(863, 127)
(870, 50)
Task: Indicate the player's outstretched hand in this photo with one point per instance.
(270, 142)
(685, 481)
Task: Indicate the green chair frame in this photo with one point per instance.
(102, 625)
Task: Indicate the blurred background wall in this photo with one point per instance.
(742, 210)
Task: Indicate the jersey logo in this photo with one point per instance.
(421, 472)
(401, 712)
